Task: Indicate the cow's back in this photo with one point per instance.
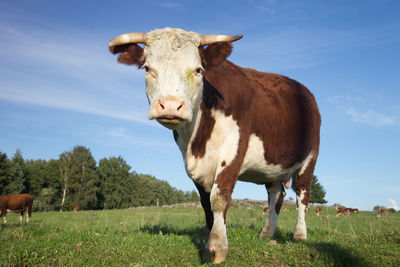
(278, 110)
(20, 201)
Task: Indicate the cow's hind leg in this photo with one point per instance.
(302, 188)
(22, 215)
(276, 193)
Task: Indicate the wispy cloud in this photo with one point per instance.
(393, 204)
(72, 73)
(371, 117)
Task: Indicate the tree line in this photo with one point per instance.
(76, 179)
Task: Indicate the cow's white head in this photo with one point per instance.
(174, 61)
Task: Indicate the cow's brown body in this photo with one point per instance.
(16, 203)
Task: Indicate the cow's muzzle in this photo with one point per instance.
(170, 112)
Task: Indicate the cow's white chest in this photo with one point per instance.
(220, 150)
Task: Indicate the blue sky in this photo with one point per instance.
(60, 87)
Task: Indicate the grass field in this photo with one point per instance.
(176, 237)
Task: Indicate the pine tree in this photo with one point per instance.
(84, 182)
(114, 189)
(317, 192)
(5, 166)
(16, 178)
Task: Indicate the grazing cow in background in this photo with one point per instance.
(16, 203)
(286, 210)
(340, 211)
(76, 208)
(318, 210)
(351, 211)
(382, 212)
(230, 123)
(265, 210)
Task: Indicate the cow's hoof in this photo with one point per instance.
(220, 255)
(262, 235)
(266, 234)
(300, 237)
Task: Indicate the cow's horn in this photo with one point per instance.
(129, 38)
(207, 39)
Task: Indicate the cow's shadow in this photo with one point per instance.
(334, 253)
(337, 255)
(198, 235)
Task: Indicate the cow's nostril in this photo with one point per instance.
(179, 107)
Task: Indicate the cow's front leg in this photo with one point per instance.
(276, 193)
(218, 241)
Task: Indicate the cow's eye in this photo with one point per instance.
(146, 68)
(199, 70)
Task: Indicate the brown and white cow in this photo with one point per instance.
(16, 203)
(230, 123)
(382, 212)
(351, 210)
(318, 211)
(265, 210)
(340, 211)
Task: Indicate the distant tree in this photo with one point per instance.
(51, 174)
(84, 181)
(16, 179)
(45, 200)
(180, 196)
(65, 169)
(5, 174)
(114, 188)
(194, 197)
(317, 194)
(34, 176)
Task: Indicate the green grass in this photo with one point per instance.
(176, 237)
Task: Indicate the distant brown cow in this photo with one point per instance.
(340, 211)
(265, 210)
(318, 210)
(16, 203)
(382, 212)
(76, 208)
(353, 211)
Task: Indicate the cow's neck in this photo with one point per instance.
(187, 132)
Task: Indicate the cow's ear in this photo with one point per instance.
(215, 54)
(132, 54)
